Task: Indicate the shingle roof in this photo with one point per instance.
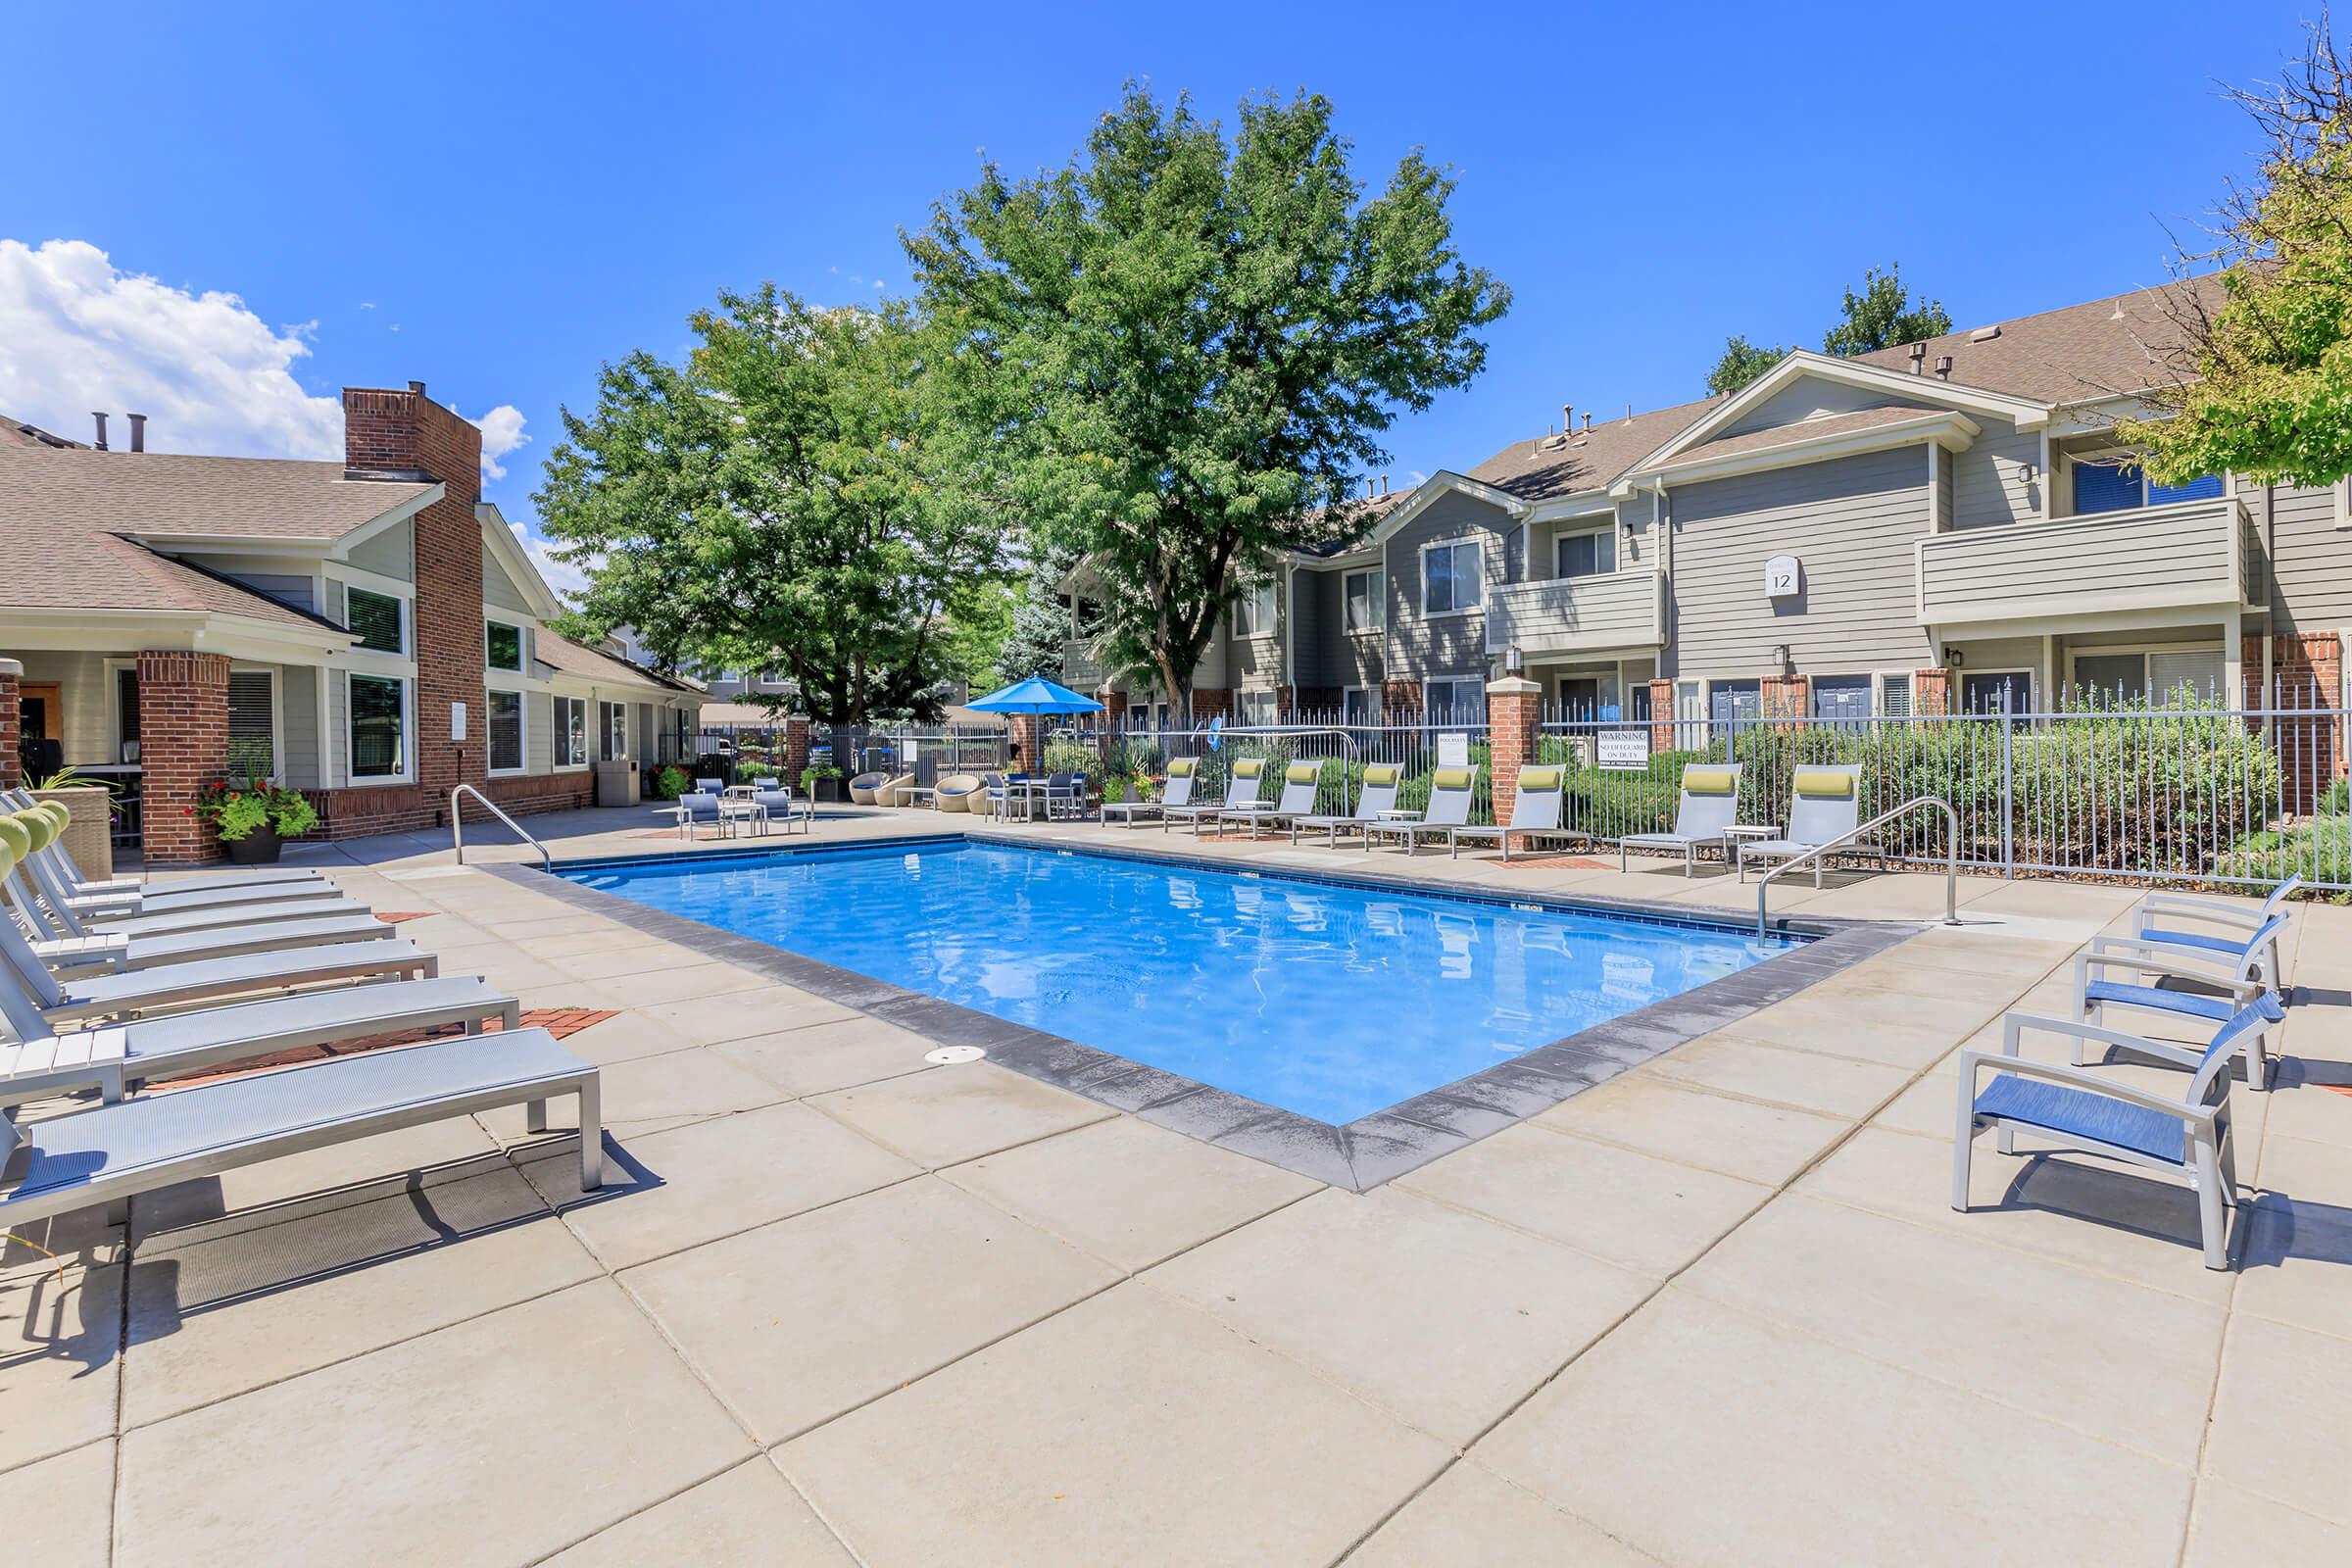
(2124, 343)
(39, 570)
(575, 658)
(77, 490)
(1783, 435)
(1559, 465)
(1362, 514)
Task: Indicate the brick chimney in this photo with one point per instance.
(407, 435)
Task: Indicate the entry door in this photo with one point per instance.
(1740, 700)
(1845, 698)
(40, 729)
(1580, 696)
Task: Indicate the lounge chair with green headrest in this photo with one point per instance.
(50, 875)
(1373, 803)
(123, 887)
(1450, 794)
(1825, 804)
(1708, 806)
(1175, 794)
(1241, 795)
(1300, 783)
(1194, 810)
(1535, 813)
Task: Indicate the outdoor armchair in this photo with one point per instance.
(2228, 990)
(2161, 918)
(1708, 804)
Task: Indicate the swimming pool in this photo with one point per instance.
(1329, 998)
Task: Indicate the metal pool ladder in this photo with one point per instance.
(1951, 857)
(457, 827)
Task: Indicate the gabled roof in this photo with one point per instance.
(161, 495)
(1802, 430)
(39, 570)
(1553, 466)
(2122, 344)
(567, 657)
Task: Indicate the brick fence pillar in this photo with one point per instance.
(1025, 728)
(1113, 719)
(1932, 691)
(796, 749)
(12, 675)
(1661, 716)
(183, 746)
(1514, 704)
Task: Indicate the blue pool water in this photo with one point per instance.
(1330, 999)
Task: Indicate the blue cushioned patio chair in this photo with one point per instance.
(2092, 1112)
(2230, 986)
(2160, 916)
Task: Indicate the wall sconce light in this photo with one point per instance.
(1512, 660)
(1954, 658)
(1779, 655)
(2029, 471)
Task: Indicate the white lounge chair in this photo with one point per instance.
(2159, 918)
(1825, 803)
(1374, 799)
(1300, 781)
(42, 827)
(77, 882)
(2232, 986)
(110, 1154)
(106, 953)
(1451, 791)
(1535, 813)
(115, 1058)
(1708, 804)
(1240, 788)
(1177, 793)
(2084, 1110)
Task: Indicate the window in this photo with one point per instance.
(505, 646)
(1460, 699)
(127, 714)
(2132, 679)
(1254, 612)
(571, 732)
(1637, 705)
(379, 724)
(1588, 555)
(376, 621)
(1257, 707)
(1358, 706)
(1895, 697)
(1366, 596)
(612, 723)
(252, 724)
(2117, 486)
(1449, 577)
(505, 731)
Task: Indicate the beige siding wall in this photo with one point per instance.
(83, 725)
(2312, 559)
(1852, 523)
(390, 553)
(1806, 399)
(1420, 646)
(1989, 481)
(498, 589)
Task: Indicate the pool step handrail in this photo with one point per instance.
(457, 827)
(1951, 857)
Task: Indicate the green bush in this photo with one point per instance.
(670, 783)
(1074, 756)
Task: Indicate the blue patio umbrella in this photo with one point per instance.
(1034, 695)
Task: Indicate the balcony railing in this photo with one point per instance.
(1081, 667)
(2181, 555)
(1576, 614)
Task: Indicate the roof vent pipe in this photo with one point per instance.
(1588, 419)
(138, 431)
(1383, 484)
(1919, 359)
(101, 418)
(1567, 417)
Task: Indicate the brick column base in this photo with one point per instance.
(1028, 754)
(1211, 701)
(183, 746)
(1932, 691)
(1513, 707)
(12, 733)
(1784, 696)
(1661, 716)
(2308, 671)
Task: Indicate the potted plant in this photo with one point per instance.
(254, 820)
(821, 781)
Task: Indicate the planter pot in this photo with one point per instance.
(89, 836)
(257, 848)
(827, 789)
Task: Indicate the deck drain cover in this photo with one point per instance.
(950, 1056)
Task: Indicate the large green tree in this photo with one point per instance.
(1882, 315)
(789, 497)
(1188, 349)
(2256, 374)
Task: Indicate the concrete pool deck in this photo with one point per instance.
(837, 1305)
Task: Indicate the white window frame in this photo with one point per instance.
(408, 732)
(1562, 538)
(1478, 549)
(561, 733)
(1376, 596)
(407, 622)
(277, 712)
(1268, 594)
(522, 647)
(522, 726)
(1881, 680)
(1430, 705)
(605, 712)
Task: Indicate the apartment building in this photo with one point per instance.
(369, 631)
(1938, 527)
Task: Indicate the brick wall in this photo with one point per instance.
(183, 746)
(1513, 707)
(1932, 691)
(1661, 716)
(1208, 702)
(796, 749)
(2308, 669)
(11, 722)
(405, 431)
(1400, 698)
(1784, 696)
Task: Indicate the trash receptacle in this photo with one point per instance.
(616, 784)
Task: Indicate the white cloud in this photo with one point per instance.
(564, 577)
(79, 333)
(502, 434)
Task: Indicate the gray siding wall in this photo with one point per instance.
(499, 589)
(336, 754)
(538, 731)
(264, 576)
(298, 724)
(390, 553)
(1988, 482)
(1450, 645)
(2311, 560)
(1638, 532)
(1852, 522)
(1314, 625)
(1806, 399)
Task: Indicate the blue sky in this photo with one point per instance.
(495, 199)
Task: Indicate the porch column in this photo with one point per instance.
(796, 749)
(1025, 729)
(183, 746)
(1931, 690)
(1661, 717)
(1514, 704)
(11, 677)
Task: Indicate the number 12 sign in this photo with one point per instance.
(1784, 577)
